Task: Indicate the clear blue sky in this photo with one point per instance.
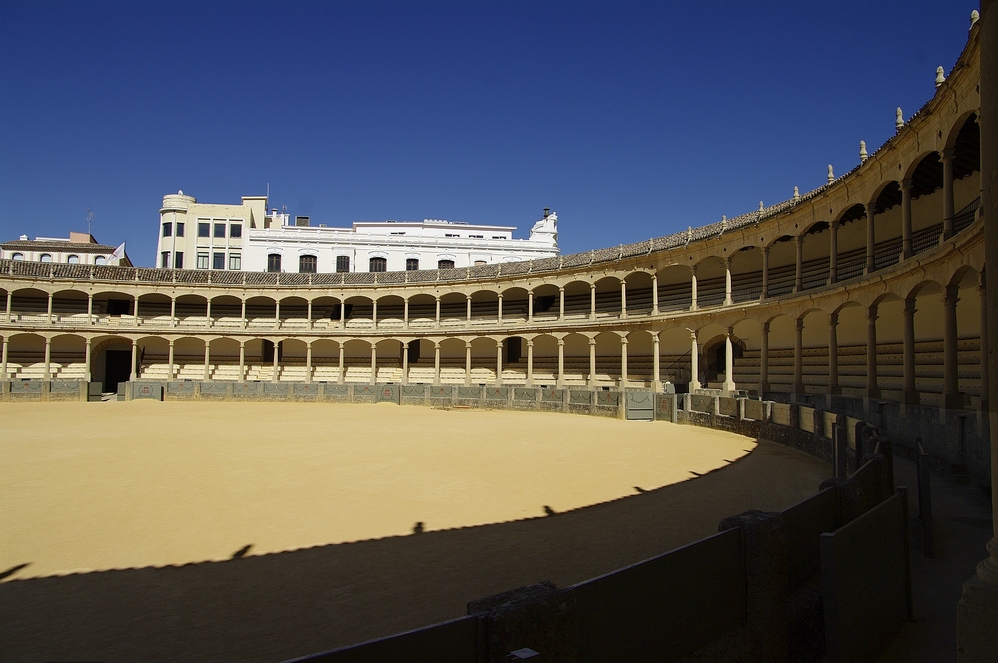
(630, 119)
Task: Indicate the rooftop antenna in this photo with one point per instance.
(90, 221)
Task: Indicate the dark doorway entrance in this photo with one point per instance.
(414, 351)
(268, 351)
(117, 368)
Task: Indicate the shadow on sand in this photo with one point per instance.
(277, 606)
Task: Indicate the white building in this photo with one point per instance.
(250, 237)
(79, 249)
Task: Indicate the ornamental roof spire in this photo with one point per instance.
(863, 154)
(898, 119)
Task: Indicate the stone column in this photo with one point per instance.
(729, 362)
(693, 289)
(374, 363)
(90, 309)
(498, 363)
(951, 363)
(623, 362)
(871, 241)
(654, 294)
(985, 377)
(207, 359)
(405, 362)
(468, 317)
(308, 362)
(623, 298)
(3, 359)
(277, 314)
(374, 313)
(798, 388)
(436, 362)
(309, 314)
(242, 314)
(341, 378)
(48, 358)
(872, 391)
(530, 362)
(173, 310)
(906, 219)
(467, 363)
(343, 313)
(90, 300)
(833, 355)
(561, 303)
(274, 372)
(909, 392)
(530, 306)
(694, 363)
(656, 382)
(561, 364)
(499, 316)
(946, 157)
(799, 270)
(242, 360)
(592, 301)
(727, 282)
(833, 253)
(135, 357)
(405, 313)
(977, 612)
(592, 363)
(86, 363)
(170, 361)
(207, 311)
(765, 273)
(49, 312)
(437, 317)
(764, 361)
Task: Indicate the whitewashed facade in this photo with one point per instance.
(249, 237)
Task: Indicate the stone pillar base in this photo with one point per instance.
(656, 385)
(728, 386)
(694, 386)
(976, 617)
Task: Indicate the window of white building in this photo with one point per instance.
(202, 261)
(378, 265)
(100, 260)
(46, 257)
(274, 262)
(17, 256)
(445, 264)
(411, 264)
(164, 259)
(236, 230)
(307, 264)
(73, 260)
(218, 261)
(167, 229)
(342, 263)
(235, 261)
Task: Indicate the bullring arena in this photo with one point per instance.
(863, 300)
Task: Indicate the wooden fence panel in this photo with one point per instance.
(664, 608)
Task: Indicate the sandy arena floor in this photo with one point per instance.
(263, 531)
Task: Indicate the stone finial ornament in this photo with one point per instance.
(761, 208)
(689, 234)
(863, 154)
(831, 174)
(940, 76)
(796, 194)
(898, 119)
(974, 17)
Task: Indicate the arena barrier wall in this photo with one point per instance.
(752, 592)
(45, 390)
